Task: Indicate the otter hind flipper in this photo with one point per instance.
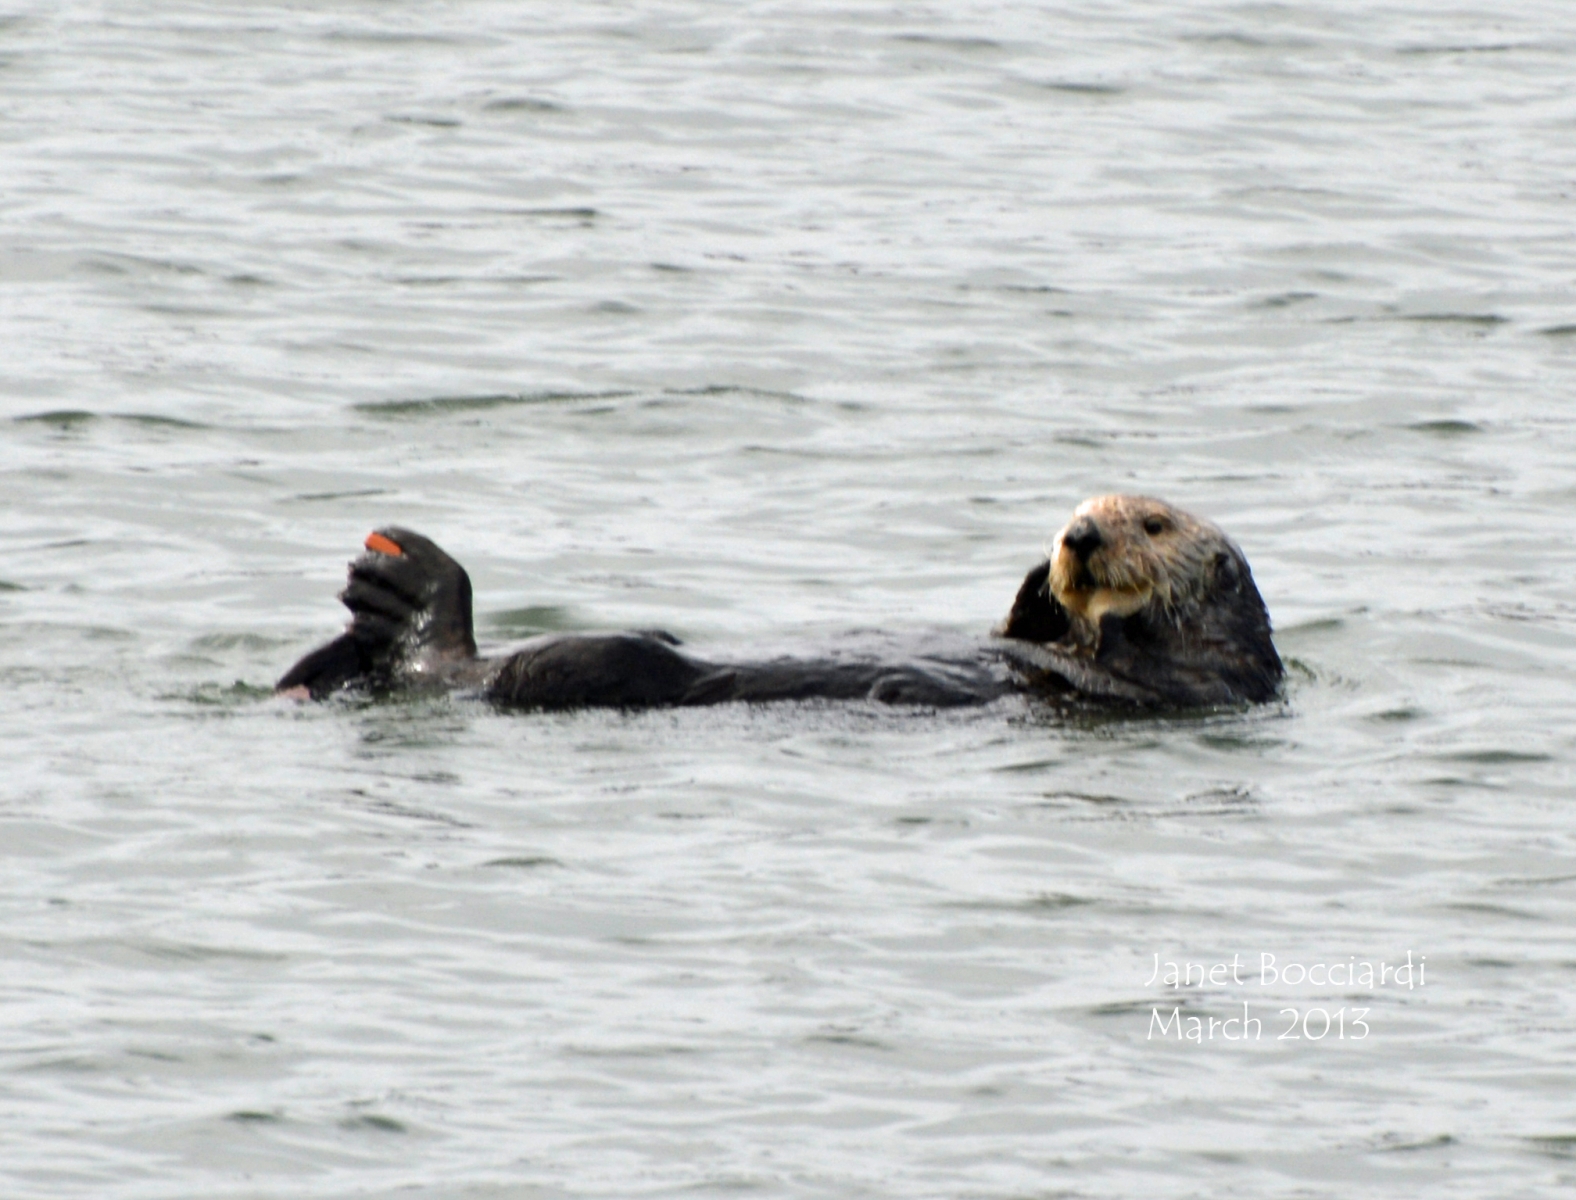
(410, 606)
(409, 599)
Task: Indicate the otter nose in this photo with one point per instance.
(1082, 537)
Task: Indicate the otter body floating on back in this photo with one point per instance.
(1140, 604)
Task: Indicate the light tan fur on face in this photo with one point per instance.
(1150, 554)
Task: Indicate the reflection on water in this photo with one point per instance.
(762, 326)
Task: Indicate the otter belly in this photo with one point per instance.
(636, 670)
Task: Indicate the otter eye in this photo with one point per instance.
(1154, 526)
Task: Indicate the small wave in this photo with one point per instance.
(442, 405)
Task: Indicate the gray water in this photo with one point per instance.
(763, 323)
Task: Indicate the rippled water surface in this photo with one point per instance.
(762, 323)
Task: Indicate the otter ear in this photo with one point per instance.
(1228, 575)
(1036, 616)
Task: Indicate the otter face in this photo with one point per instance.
(1121, 554)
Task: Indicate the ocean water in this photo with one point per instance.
(764, 323)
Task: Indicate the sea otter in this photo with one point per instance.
(1139, 605)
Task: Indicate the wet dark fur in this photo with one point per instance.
(411, 627)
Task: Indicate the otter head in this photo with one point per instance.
(1121, 555)
(1141, 601)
